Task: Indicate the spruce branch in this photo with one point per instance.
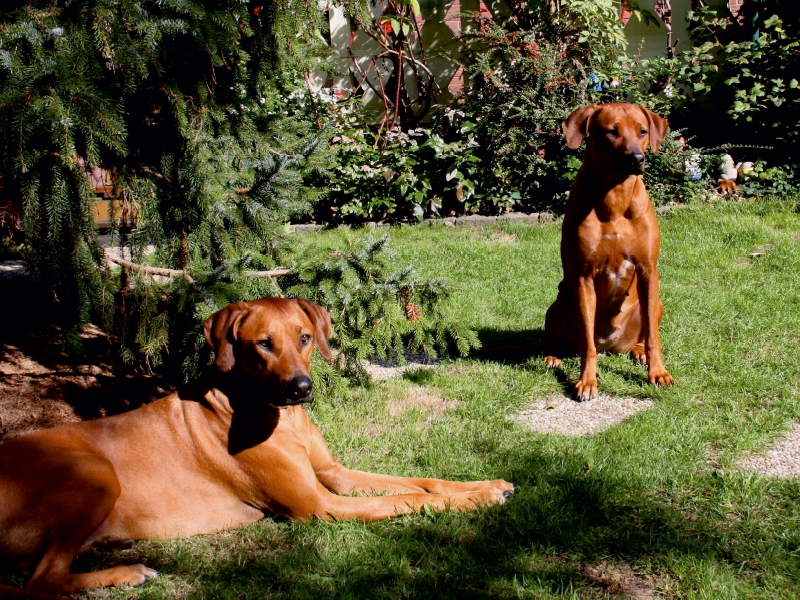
(164, 272)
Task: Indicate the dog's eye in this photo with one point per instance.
(265, 344)
(305, 339)
(612, 132)
(643, 133)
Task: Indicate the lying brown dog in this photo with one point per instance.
(608, 299)
(217, 455)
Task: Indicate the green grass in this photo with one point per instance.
(659, 492)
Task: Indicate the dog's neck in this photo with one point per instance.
(244, 419)
(611, 193)
(231, 393)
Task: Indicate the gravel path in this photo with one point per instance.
(555, 414)
(381, 370)
(563, 415)
(782, 461)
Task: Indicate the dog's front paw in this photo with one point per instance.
(586, 389)
(660, 378)
(497, 492)
(504, 488)
(133, 575)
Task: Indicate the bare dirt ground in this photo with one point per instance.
(39, 387)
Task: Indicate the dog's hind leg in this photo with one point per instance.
(561, 331)
(78, 506)
(638, 353)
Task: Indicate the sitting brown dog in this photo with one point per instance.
(608, 298)
(215, 456)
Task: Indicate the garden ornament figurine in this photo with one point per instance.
(727, 169)
(727, 175)
(745, 170)
(690, 165)
(608, 299)
(221, 453)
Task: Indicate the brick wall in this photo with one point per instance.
(453, 21)
(735, 6)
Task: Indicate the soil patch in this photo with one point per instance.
(419, 397)
(620, 579)
(39, 386)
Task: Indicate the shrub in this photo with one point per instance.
(379, 309)
(499, 145)
(735, 85)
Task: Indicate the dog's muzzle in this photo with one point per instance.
(298, 391)
(628, 163)
(637, 163)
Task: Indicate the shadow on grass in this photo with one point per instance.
(563, 517)
(521, 347)
(510, 346)
(518, 348)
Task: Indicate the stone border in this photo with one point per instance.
(537, 218)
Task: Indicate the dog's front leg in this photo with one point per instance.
(291, 488)
(651, 307)
(586, 388)
(341, 480)
(375, 508)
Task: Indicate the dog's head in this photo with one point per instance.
(617, 135)
(269, 342)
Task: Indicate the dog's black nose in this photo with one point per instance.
(637, 161)
(299, 388)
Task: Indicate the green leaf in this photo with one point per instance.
(413, 4)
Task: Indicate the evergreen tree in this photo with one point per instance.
(167, 95)
(195, 108)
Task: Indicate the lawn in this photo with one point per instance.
(657, 499)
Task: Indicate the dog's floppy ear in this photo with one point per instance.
(577, 125)
(322, 325)
(658, 129)
(220, 330)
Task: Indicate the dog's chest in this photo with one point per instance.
(607, 245)
(609, 255)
